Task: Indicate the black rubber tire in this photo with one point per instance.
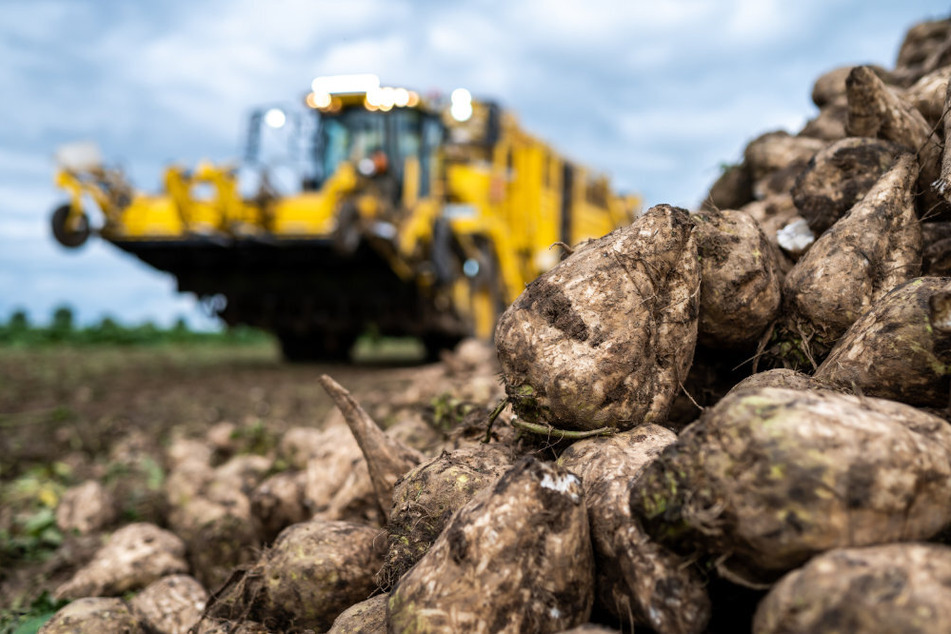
(69, 239)
(435, 343)
(311, 347)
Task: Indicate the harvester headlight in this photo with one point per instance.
(374, 97)
(275, 118)
(319, 100)
(387, 98)
(401, 97)
(461, 104)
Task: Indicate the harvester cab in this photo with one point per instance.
(365, 207)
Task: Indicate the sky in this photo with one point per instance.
(658, 95)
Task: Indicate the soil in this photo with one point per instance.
(68, 414)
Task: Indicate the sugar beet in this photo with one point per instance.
(637, 580)
(740, 281)
(770, 477)
(605, 338)
(891, 588)
(900, 349)
(516, 558)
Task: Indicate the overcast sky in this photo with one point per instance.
(656, 94)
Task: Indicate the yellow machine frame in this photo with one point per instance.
(500, 197)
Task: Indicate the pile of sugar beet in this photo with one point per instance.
(728, 420)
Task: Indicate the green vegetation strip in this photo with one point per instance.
(19, 332)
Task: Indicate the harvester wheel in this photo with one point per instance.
(66, 237)
(300, 348)
(435, 343)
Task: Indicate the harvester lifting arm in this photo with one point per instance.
(179, 184)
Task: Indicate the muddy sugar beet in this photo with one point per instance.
(770, 477)
(740, 292)
(314, 571)
(870, 251)
(426, 497)
(901, 348)
(605, 338)
(516, 558)
(890, 588)
(636, 580)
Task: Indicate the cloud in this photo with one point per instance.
(384, 56)
(95, 281)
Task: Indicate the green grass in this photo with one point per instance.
(143, 335)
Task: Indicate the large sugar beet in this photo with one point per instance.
(839, 176)
(740, 287)
(873, 249)
(924, 49)
(172, 604)
(366, 617)
(516, 558)
(732, 190)
(606, 337)
(94, 614)
(943, 184)
(829, 124)
(278, 502)
(879, 112)
(936, 249)
(829, 88)
(900, 349)
(387, 458)
(770, 477)
(927, 95)
(135, 556)
(782, 377)
(828, 92)
(314, 571)
(637, 580)
(318, 569)
(891, 588)
(778, 155)
(425, 498)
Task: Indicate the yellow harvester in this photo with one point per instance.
(409, 215)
